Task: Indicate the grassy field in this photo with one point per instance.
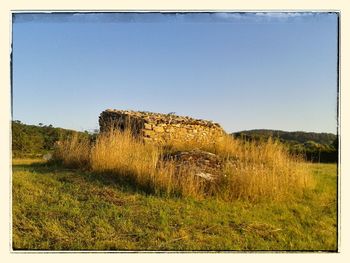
(55, 208)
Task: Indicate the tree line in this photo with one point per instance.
(315, 147)
(37, 140)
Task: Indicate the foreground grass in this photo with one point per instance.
(61, 209)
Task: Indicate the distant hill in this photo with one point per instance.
(36, 140)
(298, 136)
(314, 146)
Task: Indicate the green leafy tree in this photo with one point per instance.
(31, 140)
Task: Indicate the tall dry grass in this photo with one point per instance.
(73, 151)
(263, 169)
(253, 170)
(119, 152)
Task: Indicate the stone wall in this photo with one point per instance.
(161, 128)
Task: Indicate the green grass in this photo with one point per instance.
(61, 209)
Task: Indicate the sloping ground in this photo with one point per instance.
(61, 209)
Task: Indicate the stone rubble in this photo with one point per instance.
(206, 165)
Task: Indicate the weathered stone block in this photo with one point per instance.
(148, 126)
(148, 133)
(160, 128)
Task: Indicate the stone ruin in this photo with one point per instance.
(161, 128)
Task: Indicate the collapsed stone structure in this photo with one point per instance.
(161, 128)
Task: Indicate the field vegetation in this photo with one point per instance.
(57, 208)
(253, 170)
(114, 192)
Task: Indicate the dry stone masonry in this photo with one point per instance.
(161, 128)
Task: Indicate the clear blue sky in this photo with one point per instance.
(245, 71)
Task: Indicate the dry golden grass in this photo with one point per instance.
(253, 170)
(263, 169)
(73, 151)
(123, 154)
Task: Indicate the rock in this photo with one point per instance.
(148, 133)
(206, 165)
(47, 156)
(207, 176)
(158, 129)
(148, 126)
